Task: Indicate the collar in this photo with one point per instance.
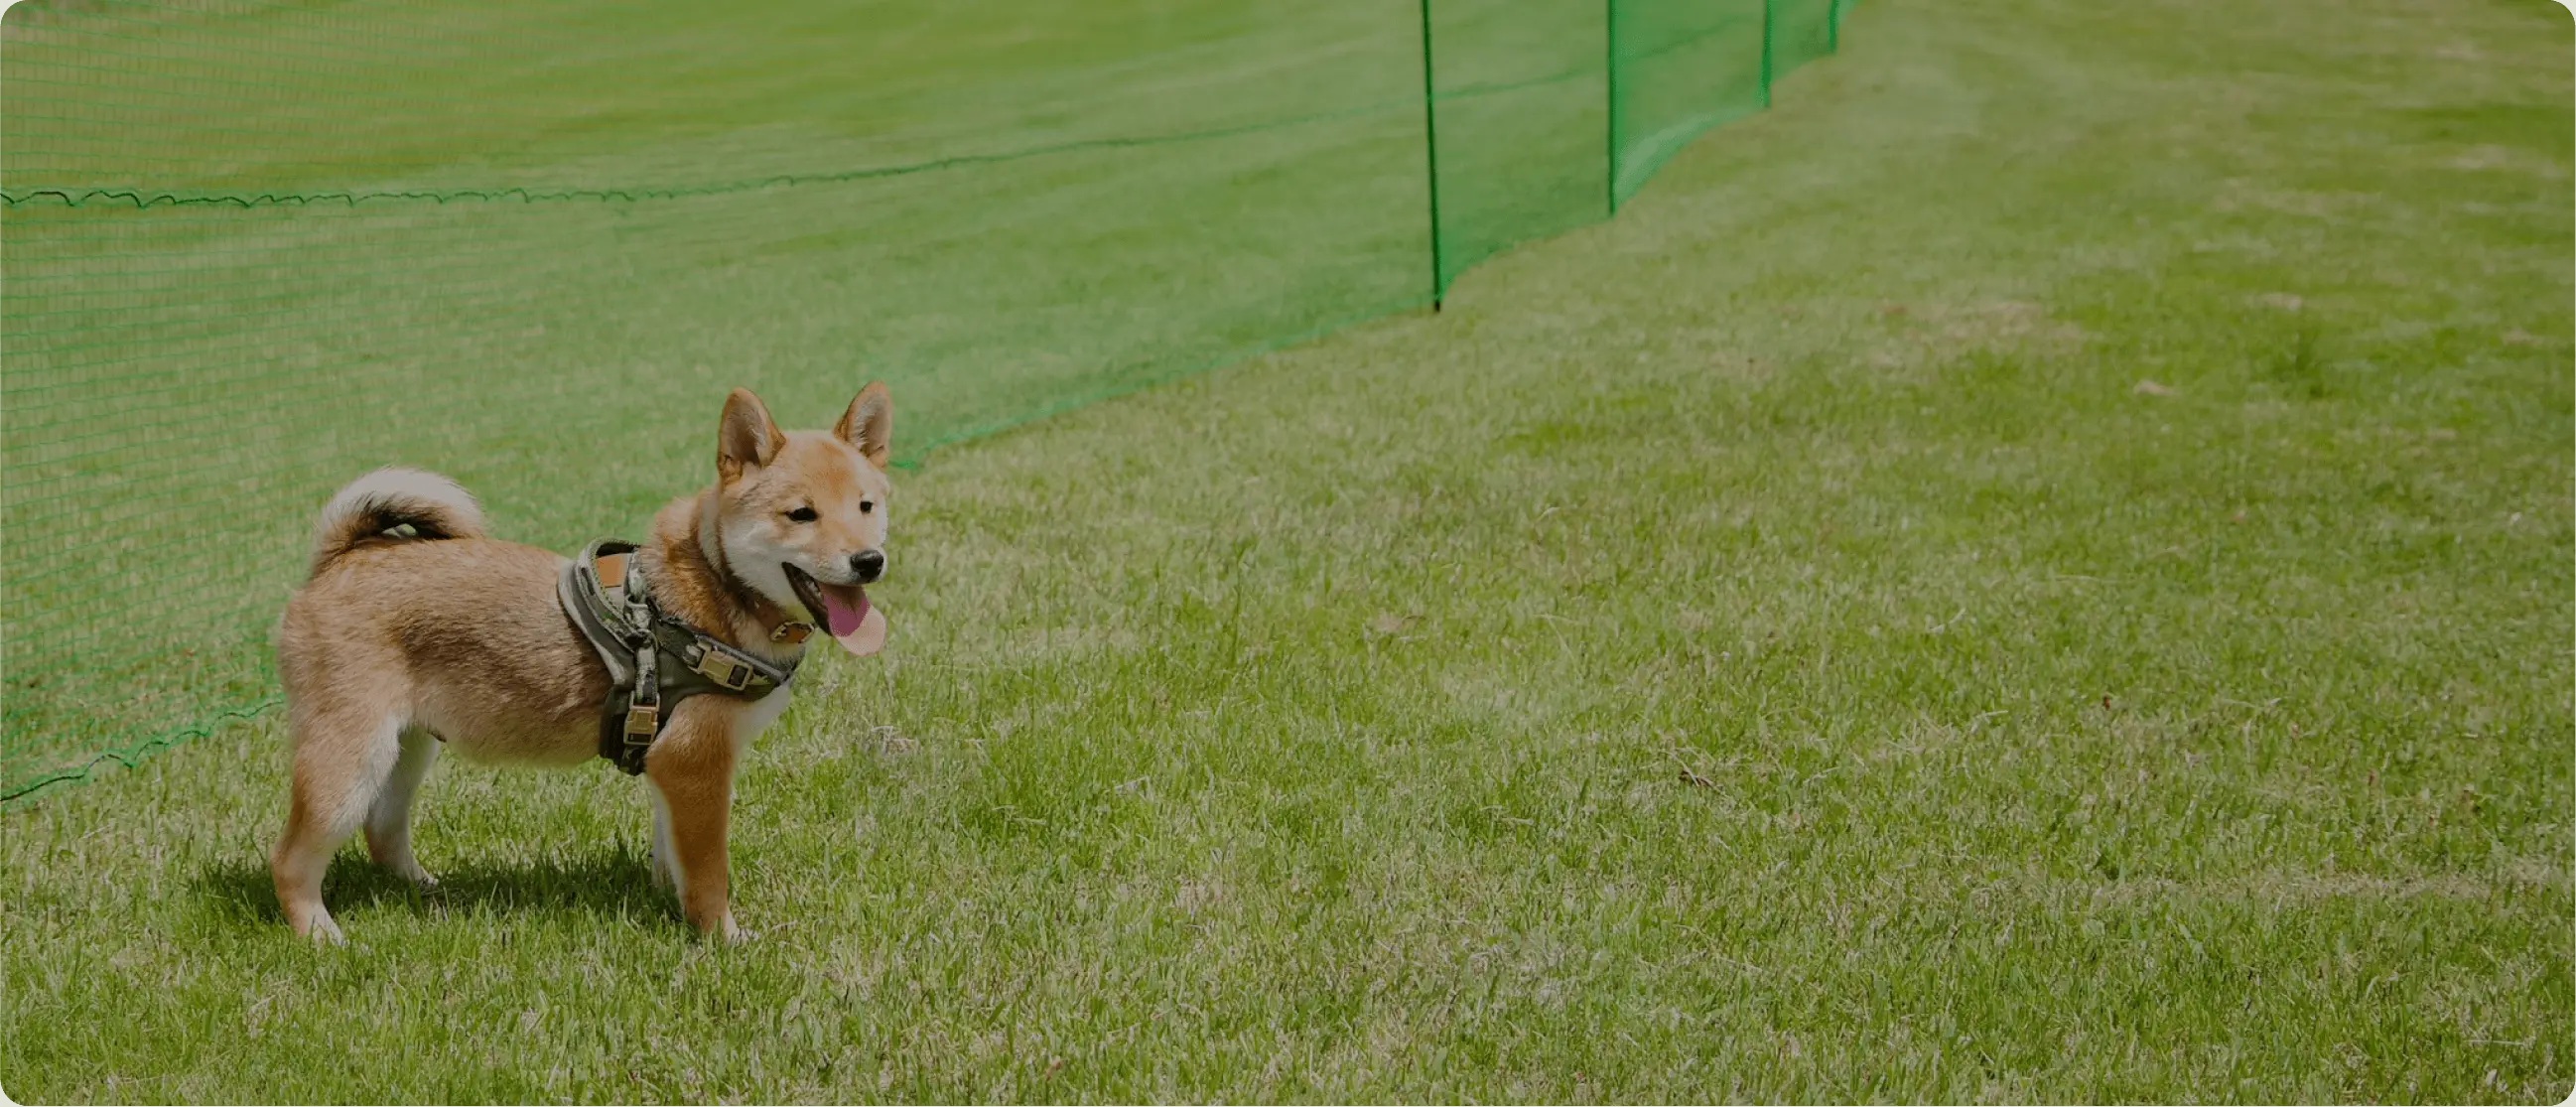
(771, 617)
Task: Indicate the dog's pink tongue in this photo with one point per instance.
(860, 628)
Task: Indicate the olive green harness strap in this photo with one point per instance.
(654, 660)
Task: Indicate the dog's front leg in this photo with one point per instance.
(692, 765)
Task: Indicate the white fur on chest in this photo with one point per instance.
(763, 711)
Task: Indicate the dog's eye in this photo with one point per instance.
(802, 515)
(866, 506)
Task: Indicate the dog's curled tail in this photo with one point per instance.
(433, 506)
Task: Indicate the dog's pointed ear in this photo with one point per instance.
(869, 424)
(748, 438)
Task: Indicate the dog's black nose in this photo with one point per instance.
(869, 564)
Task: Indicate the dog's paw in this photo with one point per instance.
(735, 935)
(325, 932)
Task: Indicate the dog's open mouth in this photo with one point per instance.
(843, 609)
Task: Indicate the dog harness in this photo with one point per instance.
(654, 659)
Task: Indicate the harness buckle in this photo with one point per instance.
(642, 721)
(732, 674)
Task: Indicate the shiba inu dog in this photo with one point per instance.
(418, 629)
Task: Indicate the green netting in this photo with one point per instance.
(1520, 102)
(1684, 67)
(249, 250)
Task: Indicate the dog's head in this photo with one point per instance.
(802, 514)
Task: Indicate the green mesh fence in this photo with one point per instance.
(249, 250)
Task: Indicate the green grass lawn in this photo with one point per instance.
(2039, 568)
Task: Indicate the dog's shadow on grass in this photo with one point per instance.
(612, 884)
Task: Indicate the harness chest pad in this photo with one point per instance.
(654, 661)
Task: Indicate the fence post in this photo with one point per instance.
(1767, 5)
(1610, 81)
(1431, 156)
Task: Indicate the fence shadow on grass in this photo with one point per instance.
(611, 883)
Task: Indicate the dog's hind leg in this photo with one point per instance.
(343, 759)
(389, 818)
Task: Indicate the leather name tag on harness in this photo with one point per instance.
(654, 660)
